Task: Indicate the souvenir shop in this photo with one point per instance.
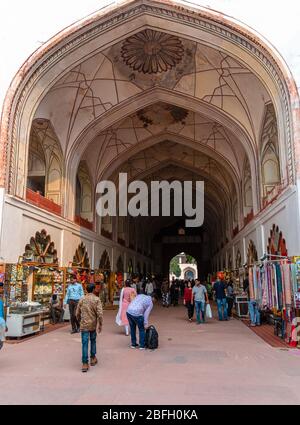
(27, 286)
(274, 282)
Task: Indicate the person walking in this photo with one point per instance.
(229, 298)
(165, 293)
(254, 312)
(73, 295)
(3, 327)
(219, 289)
(187, 300)
(199, 299)
(138, 284)
(89, 313)
(127, 295)
(149, 289)
(138, 316)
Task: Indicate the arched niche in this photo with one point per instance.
(120, 264)
(104, 264)
(130, 266)
(84, 193)
(269, 150)
(238, 260)
(251, 253)
(45, 161)
(247, 189)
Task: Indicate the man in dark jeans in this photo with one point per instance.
(73, 295)
(138, 314)
(219, 289)
(89, 313)
(230, 298)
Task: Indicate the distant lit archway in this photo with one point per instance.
(183, 266)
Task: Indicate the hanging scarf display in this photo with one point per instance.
(287, 284)
(278, 284)
(275, 285)
(270, 285)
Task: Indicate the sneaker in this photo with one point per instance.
(190, 320)
(252, 324)
(142, 348)
(93, 361)
(134, 346)
(85, 367)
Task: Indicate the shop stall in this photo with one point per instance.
(46, 281)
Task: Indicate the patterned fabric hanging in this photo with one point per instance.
(279, 286)
(251, 288)
(287, 284)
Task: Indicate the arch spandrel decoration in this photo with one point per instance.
(276, 243)
(41, 249)
(81, 258)
(104, 264)
(251, 253)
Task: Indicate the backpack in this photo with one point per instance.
(151, 338)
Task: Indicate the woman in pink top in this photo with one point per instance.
(127, 295)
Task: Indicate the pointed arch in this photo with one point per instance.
(84, 193)
(251, 253)
(269, 151)
(104, 264)
(45, 161)
(81, 258)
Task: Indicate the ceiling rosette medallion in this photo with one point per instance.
(152, 52)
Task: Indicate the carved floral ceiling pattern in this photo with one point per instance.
(151, 51)
(104, 80)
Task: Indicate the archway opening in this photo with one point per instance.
(183, 266)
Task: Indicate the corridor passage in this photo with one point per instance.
(214, 363)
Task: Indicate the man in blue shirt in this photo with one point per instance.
(73, 295)
(199, 299)
(138, 315)
(219, 289)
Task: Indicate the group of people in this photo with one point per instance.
(136, 302)
(196, 296)
(135, 308)
(86, 314)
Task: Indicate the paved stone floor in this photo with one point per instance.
(219, 362)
